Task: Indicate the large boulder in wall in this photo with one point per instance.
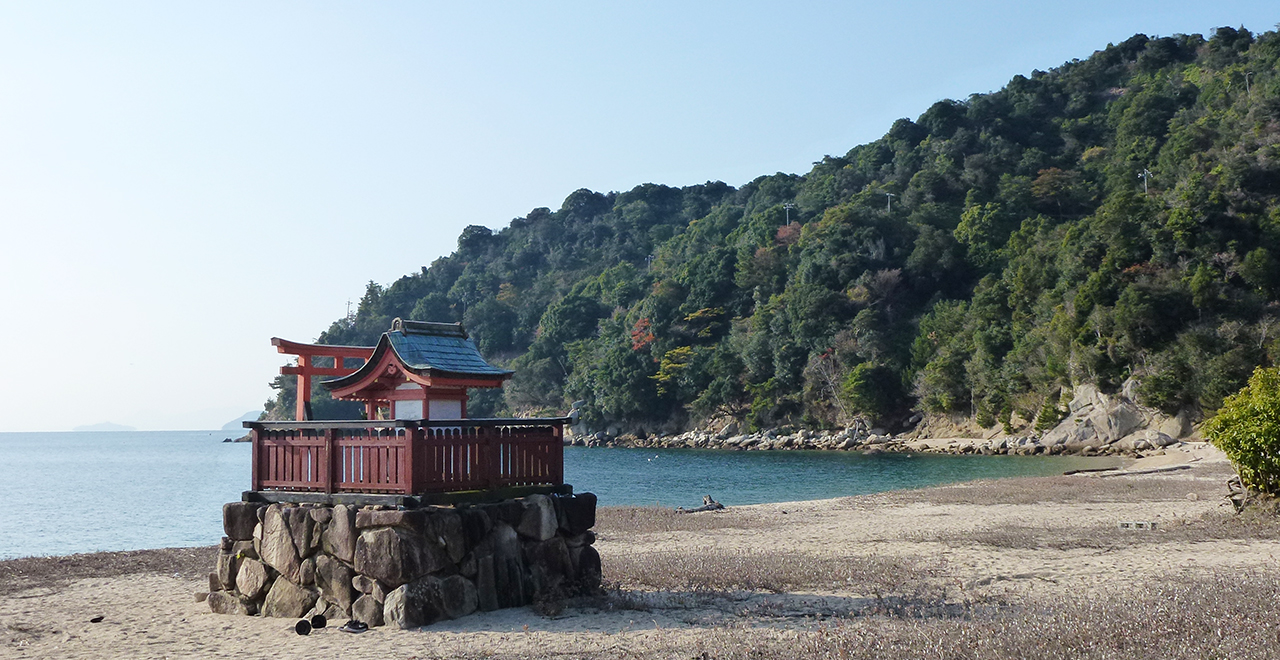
(395, 556)
(288, 600)
(475, 525)
(339, 536)
(539, 520)
(252, 578)
(502, 546)
(222, 602)
(588, 574)
(300, 527)
(228, 565)
(446, 530)
(428, 600)
(239, 519)
(576, 513)
(335, 581)
(549, 566)
(486, 585)
(277, 548)
(367, 610)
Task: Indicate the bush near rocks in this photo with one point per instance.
(405, 568)
(1247, 430)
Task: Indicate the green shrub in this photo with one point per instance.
(1247, 429)
(1050, 413)
(871, 389)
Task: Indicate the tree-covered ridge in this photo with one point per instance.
(978, 259)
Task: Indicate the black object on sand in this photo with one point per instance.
(302, 627)
(354, 626)
(318, 621)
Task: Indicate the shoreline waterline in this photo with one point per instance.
(821, 572)
(738, 478)
(86, 492)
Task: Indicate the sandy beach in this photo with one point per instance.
(982, 569)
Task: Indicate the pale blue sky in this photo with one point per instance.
(181, 181)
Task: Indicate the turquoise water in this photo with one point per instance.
(91, 491)
(87, 492)
(680, 477)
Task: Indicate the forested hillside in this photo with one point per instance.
(1114, 218)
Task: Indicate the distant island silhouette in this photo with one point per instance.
(235, 424)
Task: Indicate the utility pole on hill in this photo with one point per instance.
(1145, 175)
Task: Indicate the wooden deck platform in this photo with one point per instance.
(414, 461)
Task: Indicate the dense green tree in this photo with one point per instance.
(1247, 429)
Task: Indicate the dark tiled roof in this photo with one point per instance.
(451, 352)
(427, 349)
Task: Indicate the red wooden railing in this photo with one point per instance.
(407, 457)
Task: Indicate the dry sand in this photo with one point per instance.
(985, 542)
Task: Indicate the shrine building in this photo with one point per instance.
(417, 371)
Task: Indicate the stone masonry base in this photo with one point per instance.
(403, 567)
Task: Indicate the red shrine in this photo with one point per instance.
(417, 371)
(416, 444)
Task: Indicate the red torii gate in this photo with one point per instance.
(306, 354)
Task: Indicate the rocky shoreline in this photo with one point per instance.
(1096, 424)
(1148, 444)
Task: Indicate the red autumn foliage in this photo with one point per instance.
(641, 335)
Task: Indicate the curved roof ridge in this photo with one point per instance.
(427, 349)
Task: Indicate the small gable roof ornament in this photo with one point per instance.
(428, 351)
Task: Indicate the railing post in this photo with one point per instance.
(408, 475)
(557, 453)
(255, 480)
(328, 459)
(490, 445)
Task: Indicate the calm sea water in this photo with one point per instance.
(87, 492)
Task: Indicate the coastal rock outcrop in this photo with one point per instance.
(1096, 424)
(1094, 420)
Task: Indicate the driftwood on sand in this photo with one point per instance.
(708, 504)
